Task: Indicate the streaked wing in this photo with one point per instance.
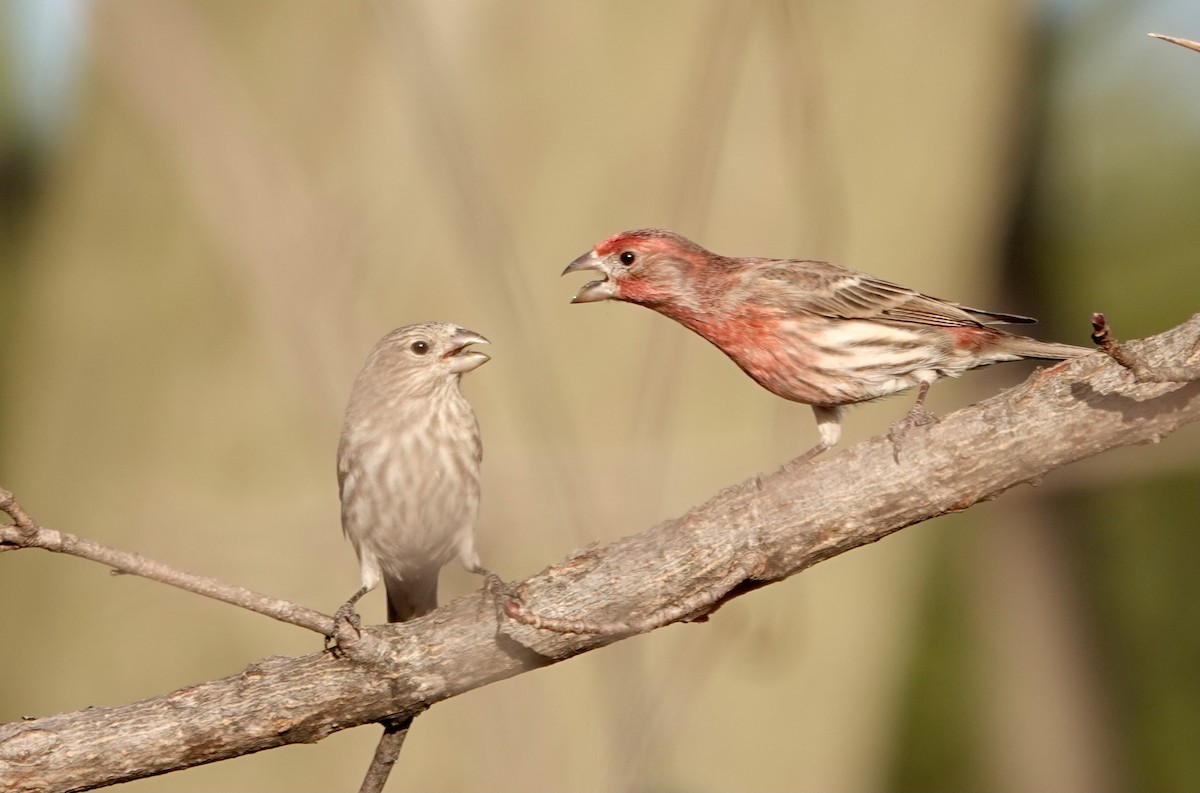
(830, 290)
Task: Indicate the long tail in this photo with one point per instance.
(412, 597)
(1026, 347)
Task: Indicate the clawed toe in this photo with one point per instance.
(496, 590)
(917, 416)
(347, 626)
(347, 614)
(807, 457)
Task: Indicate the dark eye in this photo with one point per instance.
(419, 347)
(628, 257)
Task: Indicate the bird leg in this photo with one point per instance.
(345, 615)
(916, 416)
(812, 453)
(493, 587)
(829, 427)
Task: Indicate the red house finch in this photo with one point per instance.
(408, 465)
(812, 332)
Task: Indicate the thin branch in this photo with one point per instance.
(1143, 371)
(774, 526)
(1191, 45)
(9, 505)
(24, 532)
(386, 752)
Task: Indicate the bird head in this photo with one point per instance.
(436, 350)
(412, 371)
(651, 267)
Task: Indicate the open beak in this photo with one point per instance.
(604, 289)
(461, 359)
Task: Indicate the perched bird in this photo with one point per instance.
(408, 465)
(813, 332)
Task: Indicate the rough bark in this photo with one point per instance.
(783, 523)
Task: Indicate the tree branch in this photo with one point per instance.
(1142, 371)
(774, 526)
(1191, 45)
(386, 752)
(24, 532)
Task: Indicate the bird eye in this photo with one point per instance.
(419, 347)
(628, 257)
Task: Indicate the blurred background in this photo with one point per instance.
(209, 212)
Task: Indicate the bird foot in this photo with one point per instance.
(347, 614)
(807, 457)
(917, 416)
(347, 628)
(496, 590)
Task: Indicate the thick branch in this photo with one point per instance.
(773, 526)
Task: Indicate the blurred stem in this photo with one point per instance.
(1191, 45)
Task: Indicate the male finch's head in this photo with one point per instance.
(651, 267)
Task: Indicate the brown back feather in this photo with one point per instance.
(831, 290)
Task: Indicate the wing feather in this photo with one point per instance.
(834, 291)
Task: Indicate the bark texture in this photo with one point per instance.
(772, 526)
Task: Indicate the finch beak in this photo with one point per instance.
(604, 289)
(461, 359)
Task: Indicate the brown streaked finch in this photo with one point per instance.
(813, 332)
(408, 466)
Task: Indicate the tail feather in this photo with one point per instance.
(1026, 347)
(411, 597)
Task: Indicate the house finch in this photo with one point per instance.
(408, 465)
(812, 332)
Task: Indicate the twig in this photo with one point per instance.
(24, 532)
(1191, 45)
(386, 752)
(10, 507)
(748, 567)
(1142, 371)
